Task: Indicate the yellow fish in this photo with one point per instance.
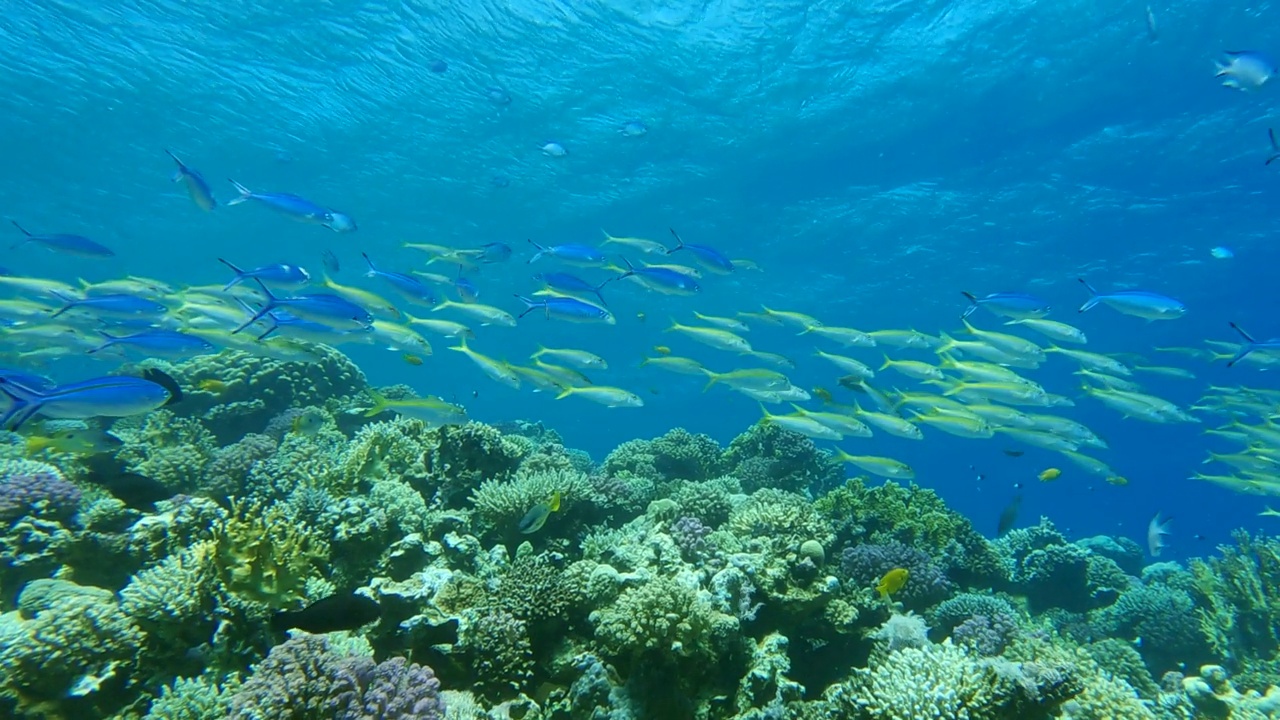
(217, 387)
(412, 359)
(822, 394)
(1049, 474)
(537, 516)
(1269, 512)
(892, 582)
(662, 349)
(1118, 480)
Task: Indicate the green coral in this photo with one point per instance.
(785, 518)
(403, 505)
(682, 455)
(661, 619)
(199, 698)
(1121, 660)
(495, 645)
(710, 501)
(64, 641)
(264, 556)
(1238, 596)
(173, 600)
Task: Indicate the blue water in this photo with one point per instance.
(874, 159)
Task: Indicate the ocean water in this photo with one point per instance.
(875, 159)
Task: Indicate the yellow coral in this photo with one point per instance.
(264, 556)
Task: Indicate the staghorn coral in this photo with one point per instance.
(404, 507)
(263, 556)
(301, 461)
(533, 589)
(1238, 595)
(65, 641)
(199, 698)
(768, 456)
(459, 457)
(35, 488)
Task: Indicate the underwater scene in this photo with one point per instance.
(639, 360)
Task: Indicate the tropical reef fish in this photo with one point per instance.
(1157, 529)
(1049, 474)
(333, 311)
(408, 287)
(298, 208)
(276, 276)
(537, 516)
(1246, 69)
(118, 396)
(713, 337)
(675, 364)
(1017, 306)
(892, 582)
(1138, 303)
(486, 314)
(706, 256)
(572, 254)
(1008, 516)
(342, 611)
(568, 309)
(308, 422)
(607, 396)
(576, 358)
(430, 410)
(71, 440)
(1053, 329)
(496, 370)
(882, 466)
(113, 305)
(77, 245)
(564, 282)
(649, 247)
(661, 279)
(554, 149)
(195, 183)
(158, 343)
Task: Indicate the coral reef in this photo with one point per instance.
(34, 488)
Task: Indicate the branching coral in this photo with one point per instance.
(1163, 618)
(35, 488)
(1239, 598)
(496, 647)
(864, 565)
(782, 517)
(709, 501)
(169, 449)
(499, 504)
(197, 698)
(173, 600)
(263, 556)
(660, 617)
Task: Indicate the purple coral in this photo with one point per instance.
(986, 635)
(301, 678)
(864, 565)
(29, 487)
(690, 536)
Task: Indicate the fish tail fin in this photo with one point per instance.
(182, 167)
(1249, 345)
(607, 237)
(565, 392)
(271, 304)
(1094, 298)
(20, 228)
(600, 295)
(26, 402)
(887, 363)
(714, 377)
(239, 278)
(373, 268)
(540, 253)
(110, 340)
(679, 242)
(530, 306)
(67, 303)
(675, 325)
(973, 304)
(245, 193)
(379, 403)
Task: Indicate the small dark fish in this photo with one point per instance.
(330, 261)
(1009, 516)
(1014, 453)
(494, 252)
(136, 491)
(343, 611)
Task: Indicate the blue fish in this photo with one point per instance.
(158, 343)
(573, 254)
(197, 188)
(114, 304)
(494, 252)
(277, 276)
(331, 310)
(467, 290)
(708, 257)
(28, 379)
(1019, 306)
(1138, 303)
(287, 324)
(565, 282)
(77, 245)
(568, 309)
(298, 208)
(117, 396)
(663, 280)
(330, 261)
(1251, 345)
(411, 288)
